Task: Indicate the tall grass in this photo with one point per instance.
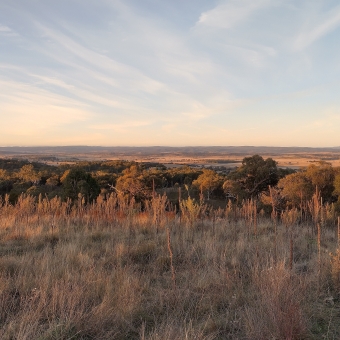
(117, 269)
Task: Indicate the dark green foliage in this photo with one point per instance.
(5, 187)
(182, 175)
(137, 180)
(336, 191)
(281, 173)
(78, 182)
(113, 167)
(14, 165)
(255, 175)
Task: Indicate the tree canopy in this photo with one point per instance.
(28, 174)
(296, 188)
(255, 175)
(322, 176)
(208, 181)
(77, 181)
(132, 183)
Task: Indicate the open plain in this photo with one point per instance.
(229, 156)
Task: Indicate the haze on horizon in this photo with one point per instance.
(178, 73)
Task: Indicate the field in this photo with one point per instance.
(143, 265)
(111, 270)
(229, 157)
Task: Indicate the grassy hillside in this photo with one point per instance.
(110, 270)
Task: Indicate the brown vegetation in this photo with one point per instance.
(117, 269)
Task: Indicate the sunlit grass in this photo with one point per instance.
(105, 272)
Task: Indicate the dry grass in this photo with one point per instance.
(106, 271)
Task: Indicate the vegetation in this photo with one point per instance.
(134, 261)
(77, 183)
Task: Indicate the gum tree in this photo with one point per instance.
(77, 181)
(255, 175)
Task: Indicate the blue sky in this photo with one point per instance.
(177, 73)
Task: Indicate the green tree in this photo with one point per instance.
(53, 181)
(336, 184)
(208, 181)
(322, 176)
(3, 175)
(233, 190)
(296, 188)
(6, 184)
(28, 174)
(255, 175)
(132, 183)
(77, 181)
(182, 175)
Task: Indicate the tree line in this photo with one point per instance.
(257, 179)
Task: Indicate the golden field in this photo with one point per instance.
(112, 270)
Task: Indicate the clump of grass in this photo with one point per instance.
(335, 269)
(276, 309)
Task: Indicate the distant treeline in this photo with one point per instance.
(256, 178)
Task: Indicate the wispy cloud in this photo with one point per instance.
(6, 31)
(228, 14)
(100, 61)
(122, 127)
(223, 73)
(314, 31)
(28, 110)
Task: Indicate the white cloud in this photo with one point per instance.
(6, 31)
(316, 30)
(229, 14)
(99, 61)
(148, 77)
(27, 110)
(122, 127)
(4, 28)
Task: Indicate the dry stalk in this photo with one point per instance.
(338, 231)
(255, 218)
(273, 215)
(179, 204)
(319, 248)
(173, 273)
(291, 252)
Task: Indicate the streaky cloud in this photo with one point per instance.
(229, 13)
(315, 31)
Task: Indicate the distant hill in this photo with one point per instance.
(163, 149)
(158, 150)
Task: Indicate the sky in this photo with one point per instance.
(170, 72)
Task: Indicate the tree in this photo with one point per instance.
(3, 175)
(296, 188)
(77, 181)
(233, 190)
(5, 184)
(154, 178)
(53, 181)
(322, 176)
(208, 181)
(255, 175)
(337, 185)
(132, 183)
(28, 174)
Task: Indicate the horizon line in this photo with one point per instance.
(166, 146)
